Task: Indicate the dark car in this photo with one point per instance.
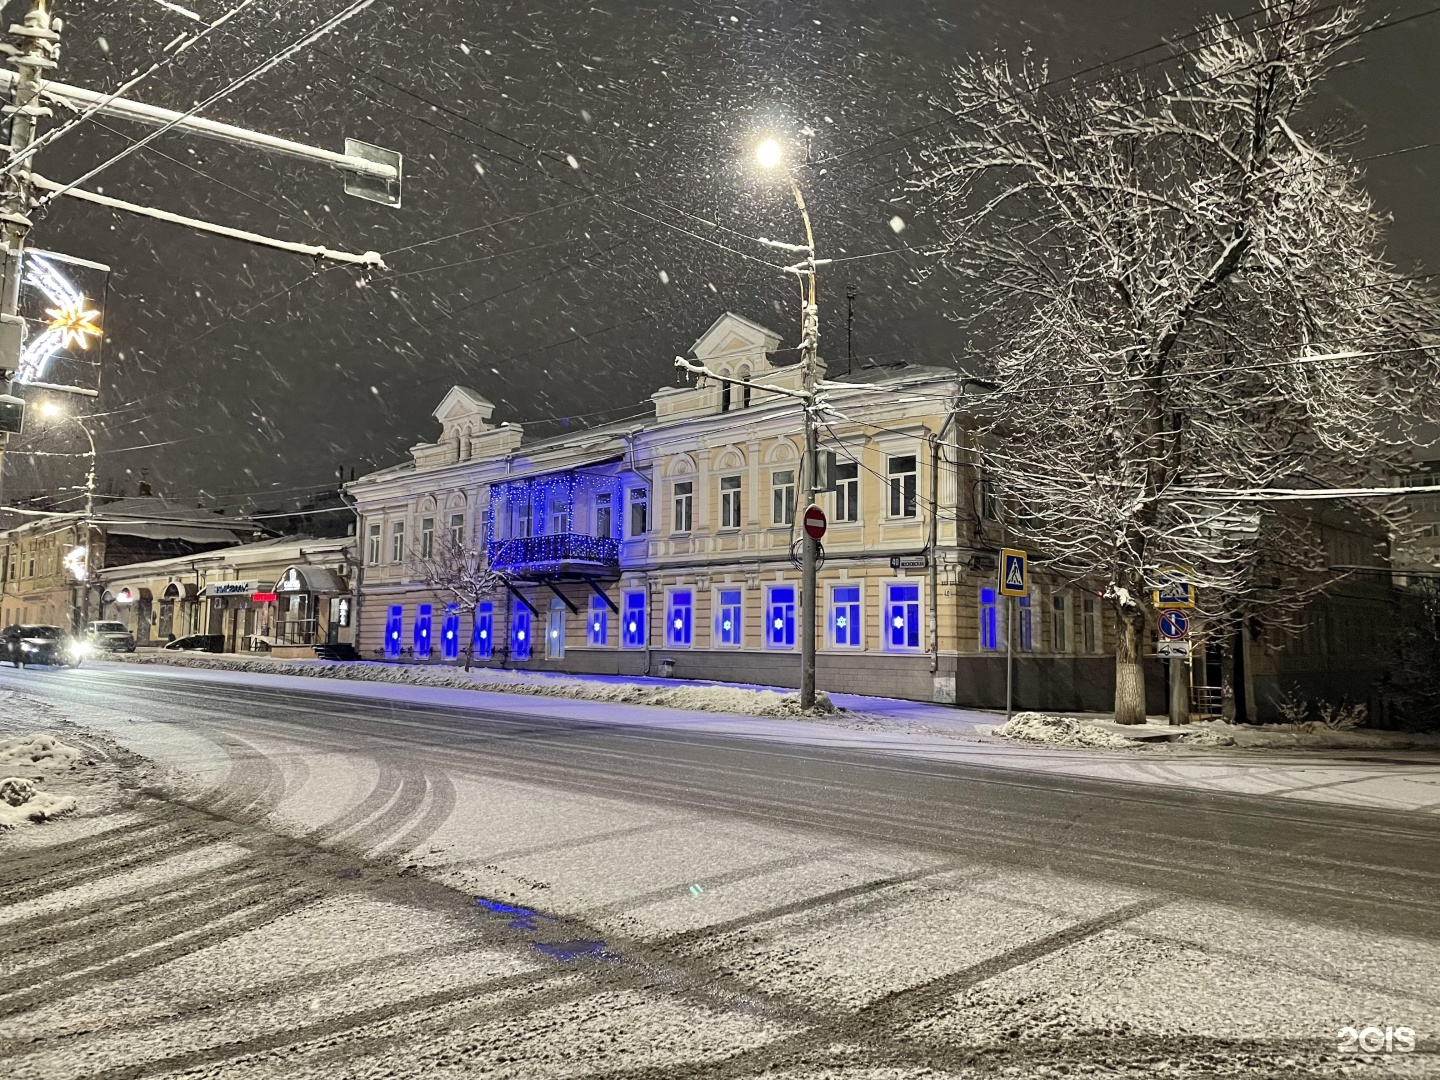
(197, 643)
(28, 643)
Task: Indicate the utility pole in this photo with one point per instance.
(809, 356)
(36, 49)
(849, 328)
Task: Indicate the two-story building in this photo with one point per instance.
(670, 543)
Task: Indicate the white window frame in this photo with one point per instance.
(457, 527)
(886, 614)
(847, 500)
(782, 497)
(555, 630)
(374, 543)
(684, 506)
(605, 501)
(718, 606)
(625, 642)
(427, 537)
(895, 483)
(671, 610)
(1062, 617)
(732, 502)
(859, 645)
(397, 542)
(599, 609)
(637, 498)
(770, 615)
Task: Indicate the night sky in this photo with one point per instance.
(560, 293)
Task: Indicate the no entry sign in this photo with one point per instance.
(814, 522)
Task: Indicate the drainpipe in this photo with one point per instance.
(934, 615)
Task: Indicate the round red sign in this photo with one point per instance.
(814, 522)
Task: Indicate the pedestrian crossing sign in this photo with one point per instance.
(1014, 573)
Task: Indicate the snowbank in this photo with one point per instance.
(1035, 727)
(37, 752)
(1306, 736)
(698, 697)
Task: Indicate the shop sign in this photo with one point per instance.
(290, 582)
(264, 597)
(227, 588)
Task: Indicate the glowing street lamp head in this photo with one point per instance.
(51, 410)
(768, 154)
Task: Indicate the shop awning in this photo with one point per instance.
(219, 589)
(180, 590)
(310, 579)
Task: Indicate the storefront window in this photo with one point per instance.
(422, 632)
(450, 635)
(483, 639)
(520, 632)
(393, 624)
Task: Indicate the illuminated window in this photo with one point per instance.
(634, 629)
(902, 616)
(555, 631)
(1025, 623)
(482, 640)
(450, 635)
(679, 619)
(599, 621)
(989, 620)
(394, 624)
(780, 617)
(520, 632)
(729, 626)
(845, 617)
(422, 632)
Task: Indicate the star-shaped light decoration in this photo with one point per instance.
(74, 322)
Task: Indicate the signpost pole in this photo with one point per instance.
(1179, 691)
(1009, 654)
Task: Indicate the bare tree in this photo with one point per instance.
(460, 572)
(1180, 282)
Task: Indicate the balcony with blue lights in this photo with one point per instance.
(556, 555)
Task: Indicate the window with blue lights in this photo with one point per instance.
(599, 621)
(555, 631)
(845, 617)
(422, 632)
(634, 620)
(394, 624)
(902, 616)
(780, 617)
(520, 632)
(450, 635)
(483, 640)
(1025, 623)
(989, 620)
(729, 625)
(679, 620)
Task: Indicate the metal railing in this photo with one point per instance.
(533, 552)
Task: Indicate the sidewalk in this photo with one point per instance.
(1377, 779)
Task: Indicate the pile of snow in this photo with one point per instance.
(37, 752)
(21, 801)
(1036, 727)
(694, 696)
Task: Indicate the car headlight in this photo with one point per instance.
(79, 648)
(25, 646)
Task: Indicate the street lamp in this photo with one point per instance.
(770, 155)
(79, 562)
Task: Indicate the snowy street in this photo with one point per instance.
(286, 881)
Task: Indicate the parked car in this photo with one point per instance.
(109, 637)
(30, 643)
(197, 643)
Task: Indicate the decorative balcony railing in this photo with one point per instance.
(555, 552)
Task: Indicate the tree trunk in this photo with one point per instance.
(1129, 672)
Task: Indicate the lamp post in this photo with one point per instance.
(769, 155)
(53, 411)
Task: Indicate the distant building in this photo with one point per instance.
(281, 596)
(45, 563)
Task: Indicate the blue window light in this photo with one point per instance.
(845, 617)
(450, 635)
(729, 625)
(679, 620)
(780, 617)
(633, 620)
(1025, 624)
(989, 620)
(422, 632)
(482, 643)
(394, 625)
(903, 616)
(599, 621)
(520, 633)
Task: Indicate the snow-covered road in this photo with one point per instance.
(336, 885)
